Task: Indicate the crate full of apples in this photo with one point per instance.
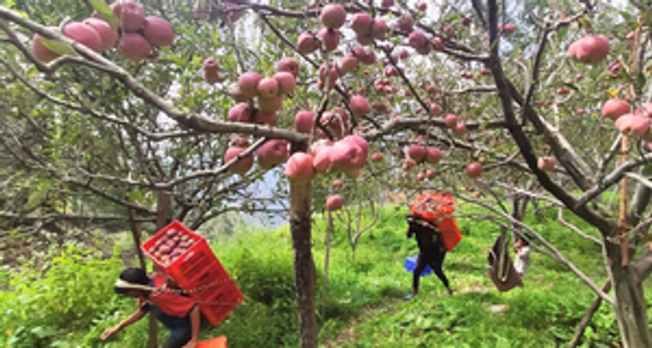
(171, 244)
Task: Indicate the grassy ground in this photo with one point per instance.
(361, 305)
(364, 306)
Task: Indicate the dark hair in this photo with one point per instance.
(524, 239)
(132, 275)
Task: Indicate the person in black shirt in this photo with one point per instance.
(431, 251)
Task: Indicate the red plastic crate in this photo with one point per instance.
(195, 269)
(198, 267)
(154, 240)
(216, 303)
(450, 233)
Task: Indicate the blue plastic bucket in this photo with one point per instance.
(411, 263)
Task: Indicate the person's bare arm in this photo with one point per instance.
(195, 322)
(134, 317)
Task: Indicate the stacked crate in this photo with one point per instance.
(188, 260)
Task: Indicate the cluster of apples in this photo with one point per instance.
(631, 123)
(456, 123)
(347, 156)
(417, 153)
(135, 37)
(268, 92)
(172, 245)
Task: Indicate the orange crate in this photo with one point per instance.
(450, 233)
(217, 342)
(195, 268)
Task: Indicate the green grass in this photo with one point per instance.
(362, 305)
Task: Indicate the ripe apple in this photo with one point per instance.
(299, 168)
(546, 163)
(590, 49)
(474, 170)
(334, 203)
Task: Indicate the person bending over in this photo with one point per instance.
(431, 251)
(175, 311)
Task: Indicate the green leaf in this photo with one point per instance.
(59, 47)
(136, 196)
(36, 197)
(647, 171)
(105, 12)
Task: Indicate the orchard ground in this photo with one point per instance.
(361, 306)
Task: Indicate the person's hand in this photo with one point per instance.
(191, 344)
(109, 332)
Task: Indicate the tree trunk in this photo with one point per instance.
(163, 218)
(629, 303)
(329, 232)
(304, 266)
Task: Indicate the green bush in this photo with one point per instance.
(68, 296)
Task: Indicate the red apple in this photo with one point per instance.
(288, 64)
(84, 34)
(131, 15)
(333, 16)
(359, 105)
(546, 163)
(108, 36)
(633, 125)
(240, 166)
(361, 23)
(334, 203)
(267, 88)
(285, 81)
(474, 170)
(41, 52)
(240, 113)
(272, 153)
(417, 152)
(248, 84)
(433, 155)
(451, 121)
(590, 49)
(158, 31)
(614, 108)
(299, 168)
(304, 121)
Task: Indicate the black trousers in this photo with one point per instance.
(434, 258)
(176, 341)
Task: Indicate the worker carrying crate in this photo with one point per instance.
(189, 279)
